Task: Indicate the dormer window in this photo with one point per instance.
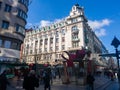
(74, 8)
(74, 20)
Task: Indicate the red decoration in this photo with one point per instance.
(80, 54)
(70, 61)
(89, 66)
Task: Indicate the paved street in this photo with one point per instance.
(101, 83)
(113, 86)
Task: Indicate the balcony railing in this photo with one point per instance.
(76, 39)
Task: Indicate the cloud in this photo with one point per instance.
(101, 32)
(33, 25)
(42, 23)
(99, 26)
(58, 20)
(45, 23)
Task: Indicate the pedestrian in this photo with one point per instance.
(90, 81)
(118, 75)
(31, 81)
(47, 78)
(3, 81)
(112, 76)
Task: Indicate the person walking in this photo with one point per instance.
(30, 81)
(118, 75)
(47, 78)
(3, 81)
(90, 81)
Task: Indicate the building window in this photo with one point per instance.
(63, 31)
(27, 46)
(74, 8)
(45, 57)
(45, 49)
(57, 55)
(56, 48)
(22, 14)
(5, 24)
(14, 45)
(7, 44)
(30, 51)
(74, 28)
(63, 47)
(74, 20)
(51, 49)
(0, 42)
(7, 8)
(51, 40)
(63, 39)
(74, 36)
(57, 40)
(20, 29)
(41, 41)
(75, 44)
(57, 33)
(25, 2)
(40, 50)
(50, 56)
(46, 41)
(36, 44)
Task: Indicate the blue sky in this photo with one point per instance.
(103, 16)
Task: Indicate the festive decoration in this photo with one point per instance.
(79, 55)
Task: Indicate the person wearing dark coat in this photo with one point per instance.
(47, 78)
(30, 81)
(118, 75)
(3, 81)
(90, 81)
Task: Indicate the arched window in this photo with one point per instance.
(74, 28)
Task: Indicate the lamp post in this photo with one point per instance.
(116, 43)
(35, 59)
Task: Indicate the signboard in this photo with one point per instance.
(6, 54)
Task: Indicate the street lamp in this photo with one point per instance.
(116, 43)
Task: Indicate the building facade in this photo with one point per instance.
(46, 44)
(13, 15)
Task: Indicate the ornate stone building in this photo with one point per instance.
(46, 44)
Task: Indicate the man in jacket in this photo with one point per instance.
(30, 81)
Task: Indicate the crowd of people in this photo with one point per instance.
(32, 80)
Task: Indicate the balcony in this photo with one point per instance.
(75, 31)
(75, 39)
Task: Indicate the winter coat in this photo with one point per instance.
(3, 82)
(90, 79)
(30, 82)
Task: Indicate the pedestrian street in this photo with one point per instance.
(101, 83)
